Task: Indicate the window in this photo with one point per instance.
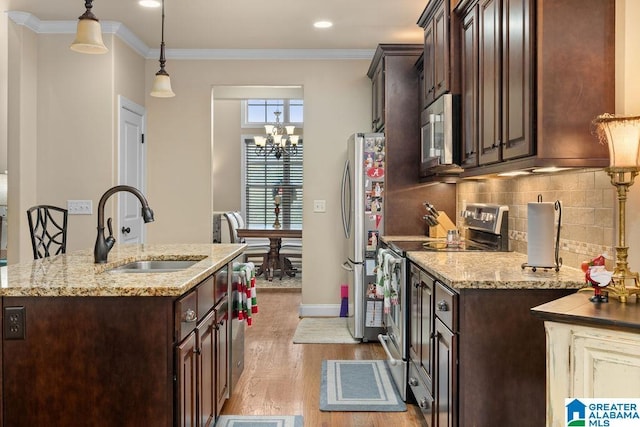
(266, 177)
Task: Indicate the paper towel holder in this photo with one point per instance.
(557, 260)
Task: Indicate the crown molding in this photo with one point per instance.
(128, 37)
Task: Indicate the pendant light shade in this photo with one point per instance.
(89, 33)
(162, 83)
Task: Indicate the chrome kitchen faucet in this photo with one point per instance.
(104, 245)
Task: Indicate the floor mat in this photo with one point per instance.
(259, 421)
(323, 330)
(358, 385)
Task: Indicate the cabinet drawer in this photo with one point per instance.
(186, 315)
(423, 396)
(446, 308)
(206, 296)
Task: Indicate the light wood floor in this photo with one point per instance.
(282, 378)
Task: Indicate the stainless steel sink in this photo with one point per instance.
(154, 266)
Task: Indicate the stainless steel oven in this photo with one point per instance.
(395, 321)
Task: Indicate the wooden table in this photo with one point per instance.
(275, 236)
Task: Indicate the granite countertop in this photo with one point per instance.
(494, 270)
(577, 309)
(76, 274)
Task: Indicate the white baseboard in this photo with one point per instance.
(319, 310)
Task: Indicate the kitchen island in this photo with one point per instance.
(477, 353)
(83, 345)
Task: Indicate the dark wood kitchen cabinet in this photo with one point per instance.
(531, 83)
(396, 81)
(435, 22)
(118, 361)
(484, 347)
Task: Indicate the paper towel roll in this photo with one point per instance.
(540, 235)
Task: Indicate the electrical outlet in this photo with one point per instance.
(319, 206)
(80, 207)
(14, 324)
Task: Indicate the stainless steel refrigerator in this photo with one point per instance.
(363, 193)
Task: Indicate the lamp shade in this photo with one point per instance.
(88, 37)
(622, 135)
(162, 86)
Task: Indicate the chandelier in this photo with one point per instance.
(279, 140)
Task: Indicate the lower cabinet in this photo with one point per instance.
(485, 347)
(586, 361)
(202, 374)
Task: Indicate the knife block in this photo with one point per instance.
(444, 224)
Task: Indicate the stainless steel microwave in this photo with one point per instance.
(440, 138)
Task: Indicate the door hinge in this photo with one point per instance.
(142, 138)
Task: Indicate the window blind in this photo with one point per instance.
(266, 177)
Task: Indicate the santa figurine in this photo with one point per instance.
(598, 277)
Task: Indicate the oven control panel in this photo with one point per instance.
(486, 217)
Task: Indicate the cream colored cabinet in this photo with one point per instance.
(586, 361)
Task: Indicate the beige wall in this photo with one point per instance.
(63, 116)
(337, 99)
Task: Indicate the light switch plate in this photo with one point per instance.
(319, 206)
(80, 207)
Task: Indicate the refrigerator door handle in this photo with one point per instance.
(346, 199)
(347, 266)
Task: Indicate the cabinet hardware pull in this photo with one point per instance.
(126, 230)
(196, 351)
(413, 381)
(495, 144)
(443, 306)
(424, 403)
(190, 316)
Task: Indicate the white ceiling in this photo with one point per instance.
(251, 24)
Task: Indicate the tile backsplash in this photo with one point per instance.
(588, 203)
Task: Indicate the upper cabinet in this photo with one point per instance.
(533, 74)
(435, 22)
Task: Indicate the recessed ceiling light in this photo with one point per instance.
(323, 24)
(149, 3)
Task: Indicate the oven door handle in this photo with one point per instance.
(383, 340)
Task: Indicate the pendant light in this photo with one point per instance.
(89, 33)
(162, 84)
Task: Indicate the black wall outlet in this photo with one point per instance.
(14, 323)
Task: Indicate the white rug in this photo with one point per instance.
(323, 330)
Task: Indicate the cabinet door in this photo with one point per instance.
(207, 370)
(441, 50)
(222, 354)
(426, 333)
(429, 61)
(469, 87)
(377, 95)
(446, 377)
(517, 83)
(186, 390)
(489, 67)
(415, 323)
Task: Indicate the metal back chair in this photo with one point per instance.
(48, 226)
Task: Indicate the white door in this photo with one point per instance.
(132, 171)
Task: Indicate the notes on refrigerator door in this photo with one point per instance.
(373, 317)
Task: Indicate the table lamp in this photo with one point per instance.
(622, 135)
